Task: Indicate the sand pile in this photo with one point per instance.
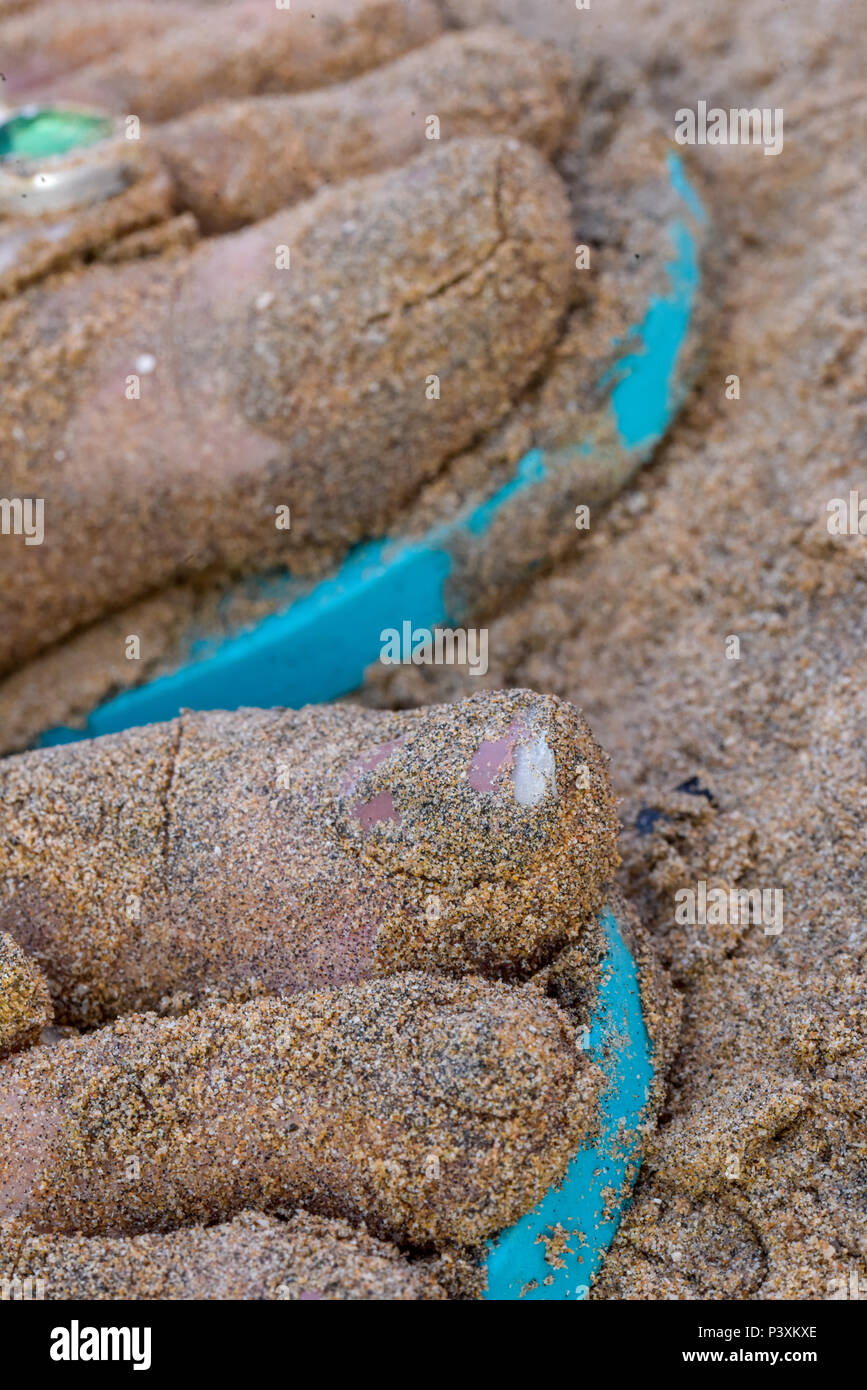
(727, 535)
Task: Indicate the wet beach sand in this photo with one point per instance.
(746, 772)
(297, 1259)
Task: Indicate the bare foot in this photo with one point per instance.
(275, 849)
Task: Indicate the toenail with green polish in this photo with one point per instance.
(40, 132)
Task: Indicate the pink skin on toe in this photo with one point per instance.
(378, 808)
(368, 761)
(493, 757)
(381, 806)
(487, 772)
(27, 1135)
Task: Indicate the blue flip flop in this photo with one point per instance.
(588, 1204)
(323, 637)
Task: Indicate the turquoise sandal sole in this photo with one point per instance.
(589, 1202)
(320, 644)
